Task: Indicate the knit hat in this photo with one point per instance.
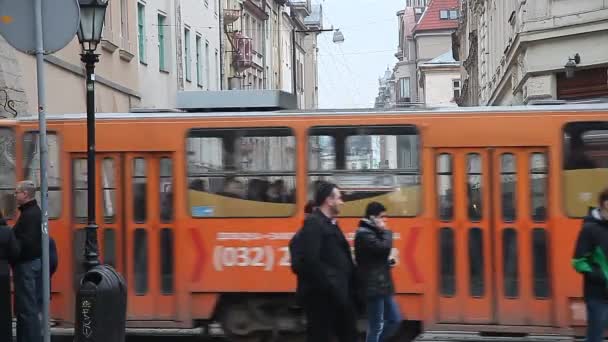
(324, 190)
(374, 209)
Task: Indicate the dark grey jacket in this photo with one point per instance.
(372, 249)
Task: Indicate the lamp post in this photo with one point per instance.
(101, 301)
(92, 17)
(338, 38)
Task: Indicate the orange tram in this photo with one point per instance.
(196, 209)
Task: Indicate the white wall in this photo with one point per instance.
(158, 88)
(438, 88)
(202, 18)
(286, 53)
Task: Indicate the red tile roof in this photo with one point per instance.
(431, 21)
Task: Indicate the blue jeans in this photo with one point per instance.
(383, 318)
(28, 300)
(597, 317)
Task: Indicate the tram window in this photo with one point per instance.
(31, 169)
(248, 172)
(140, 197)
(79, 189)
(7, 171)
(445, 190)
(538, 186)
(476, 263)
(447, 266)
(508, 179)
(585, 165)
(474, 187)
(368, 163)
(510, 263)
(540, 263)
(140, 262)
(166, 190)
(166, 263)
(109, 247)
(108, 179)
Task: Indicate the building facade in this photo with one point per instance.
(269, 45)
(117, 82)
(423, 73)
(178, 49)
(515, 51)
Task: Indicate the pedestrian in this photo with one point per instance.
(28, 268)
(590, 260)
(373, 244)
(9, 252)
(326, 275)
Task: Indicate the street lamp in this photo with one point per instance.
(338, 38)
(571, 65)
(102, 290)
(92, 17)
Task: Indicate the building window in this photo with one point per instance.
(161, 43)
(404, 90)
(443, 14)
(216, 62)
(199, 62)
(456, 87)
(453, 14)
(141, 31)
(207, 65)
(187, 57)
(124, 19)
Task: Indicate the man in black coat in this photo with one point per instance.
(9, 252)
(28, 268)
(326, 279)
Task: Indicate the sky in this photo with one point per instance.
(349, 72)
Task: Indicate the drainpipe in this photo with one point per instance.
(222, 33)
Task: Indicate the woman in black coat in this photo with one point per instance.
(9, 252)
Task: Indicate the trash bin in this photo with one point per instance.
(101, 306)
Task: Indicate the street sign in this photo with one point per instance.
(60, 20)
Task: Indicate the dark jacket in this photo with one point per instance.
(590, 256)
(28, 231)
(9, 248)
(372, 249)
(327, 264)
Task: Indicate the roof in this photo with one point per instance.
(446, 58)
(430, 20)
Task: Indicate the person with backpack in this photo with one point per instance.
(322, 261)
(373, 244)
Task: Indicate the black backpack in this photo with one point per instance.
(295, 252)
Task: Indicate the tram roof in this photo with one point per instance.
(418, 111)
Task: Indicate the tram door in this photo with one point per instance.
(492, 234)
(134, 197)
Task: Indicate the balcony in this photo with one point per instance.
(315, 20)
(303, 6)
(243, 55)
(231, 15)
